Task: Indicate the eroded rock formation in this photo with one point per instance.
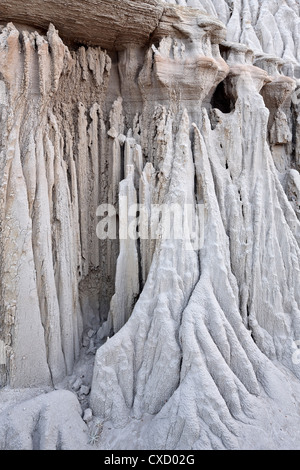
(188, 103)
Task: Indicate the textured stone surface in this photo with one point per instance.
(92, 22)
(43, 423)
(194, 103)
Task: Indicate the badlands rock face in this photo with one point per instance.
(168, 343)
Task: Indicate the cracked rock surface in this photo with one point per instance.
(150, 343)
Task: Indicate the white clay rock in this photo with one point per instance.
(178, 103)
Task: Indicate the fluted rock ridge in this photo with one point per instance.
(181, 342)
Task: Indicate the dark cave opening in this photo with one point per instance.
(221, 100)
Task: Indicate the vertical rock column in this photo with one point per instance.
(138, 370)
(21, 324)
(51, 167)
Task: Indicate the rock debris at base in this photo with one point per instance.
(150, 343)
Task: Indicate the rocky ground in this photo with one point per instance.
(150, 343)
